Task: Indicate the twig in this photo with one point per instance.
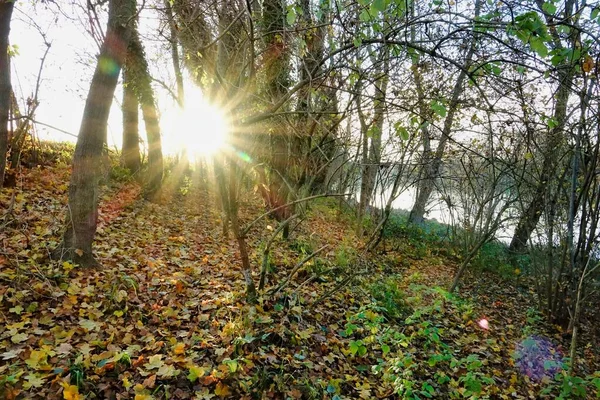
(296, 268)
(251, 224)
(35, 121)
(332, 291)
(265, 263)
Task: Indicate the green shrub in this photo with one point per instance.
(119, 173)
(302, 246)
(494, 257)
(565, 386)
(390, 298)
(345, 256)
(430, 231)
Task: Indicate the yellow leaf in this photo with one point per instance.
(37, 359)
(154, 362)
(179, 348)
(71, 392)
(79, 252)
(222, 390)
(195, 373)
(33, 380)
(126, 383)
(167, 371)
(19, 337)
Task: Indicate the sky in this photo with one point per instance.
(65, 76)
(68, 71)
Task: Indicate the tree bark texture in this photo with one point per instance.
(131, 137)
(532, 212)
(175, 52)
(83, 189)
(371, 135)
(138, 75)
(6, 9)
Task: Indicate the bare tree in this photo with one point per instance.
(6, 9)
(82, 214)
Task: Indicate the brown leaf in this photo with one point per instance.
(150, 381)
(588, 64)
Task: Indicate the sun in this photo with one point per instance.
(200, 129)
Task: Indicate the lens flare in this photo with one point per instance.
(483, 324)
(108, 66)
(538, 358)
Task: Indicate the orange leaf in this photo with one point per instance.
(222, 390)
(71, 392)
(208, 380)
(179, 348)
(138, 362)
(588, 64)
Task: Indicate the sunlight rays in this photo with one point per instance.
(200, 129)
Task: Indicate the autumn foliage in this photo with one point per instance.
(165, 315)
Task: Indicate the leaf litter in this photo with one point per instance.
(165, 316)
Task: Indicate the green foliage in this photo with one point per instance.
(418, 239)
(444, 363)
(390, 298)
(13, 50)
(534, 320)
(401, 131)
(494, 257)
(302, 246)
(47, 153)
(345, 256)
(530, 29)
(119, 173)
(438, 107)
(566, 386)
(357, 347)
(77, 373)
(186, 184)
(291, 15)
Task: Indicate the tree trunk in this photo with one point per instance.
(431, 168)
(531, 215)
(6, 9)
(83, 190)
(364, 146)
(140, 77)
(418, 211)
(175, 52)
(131, 138)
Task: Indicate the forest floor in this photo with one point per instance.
(165, 316)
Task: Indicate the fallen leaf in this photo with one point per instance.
(154, 362)
(19, 337)
(222, 390)
(179, 348)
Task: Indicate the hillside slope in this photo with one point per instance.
(165, 316)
